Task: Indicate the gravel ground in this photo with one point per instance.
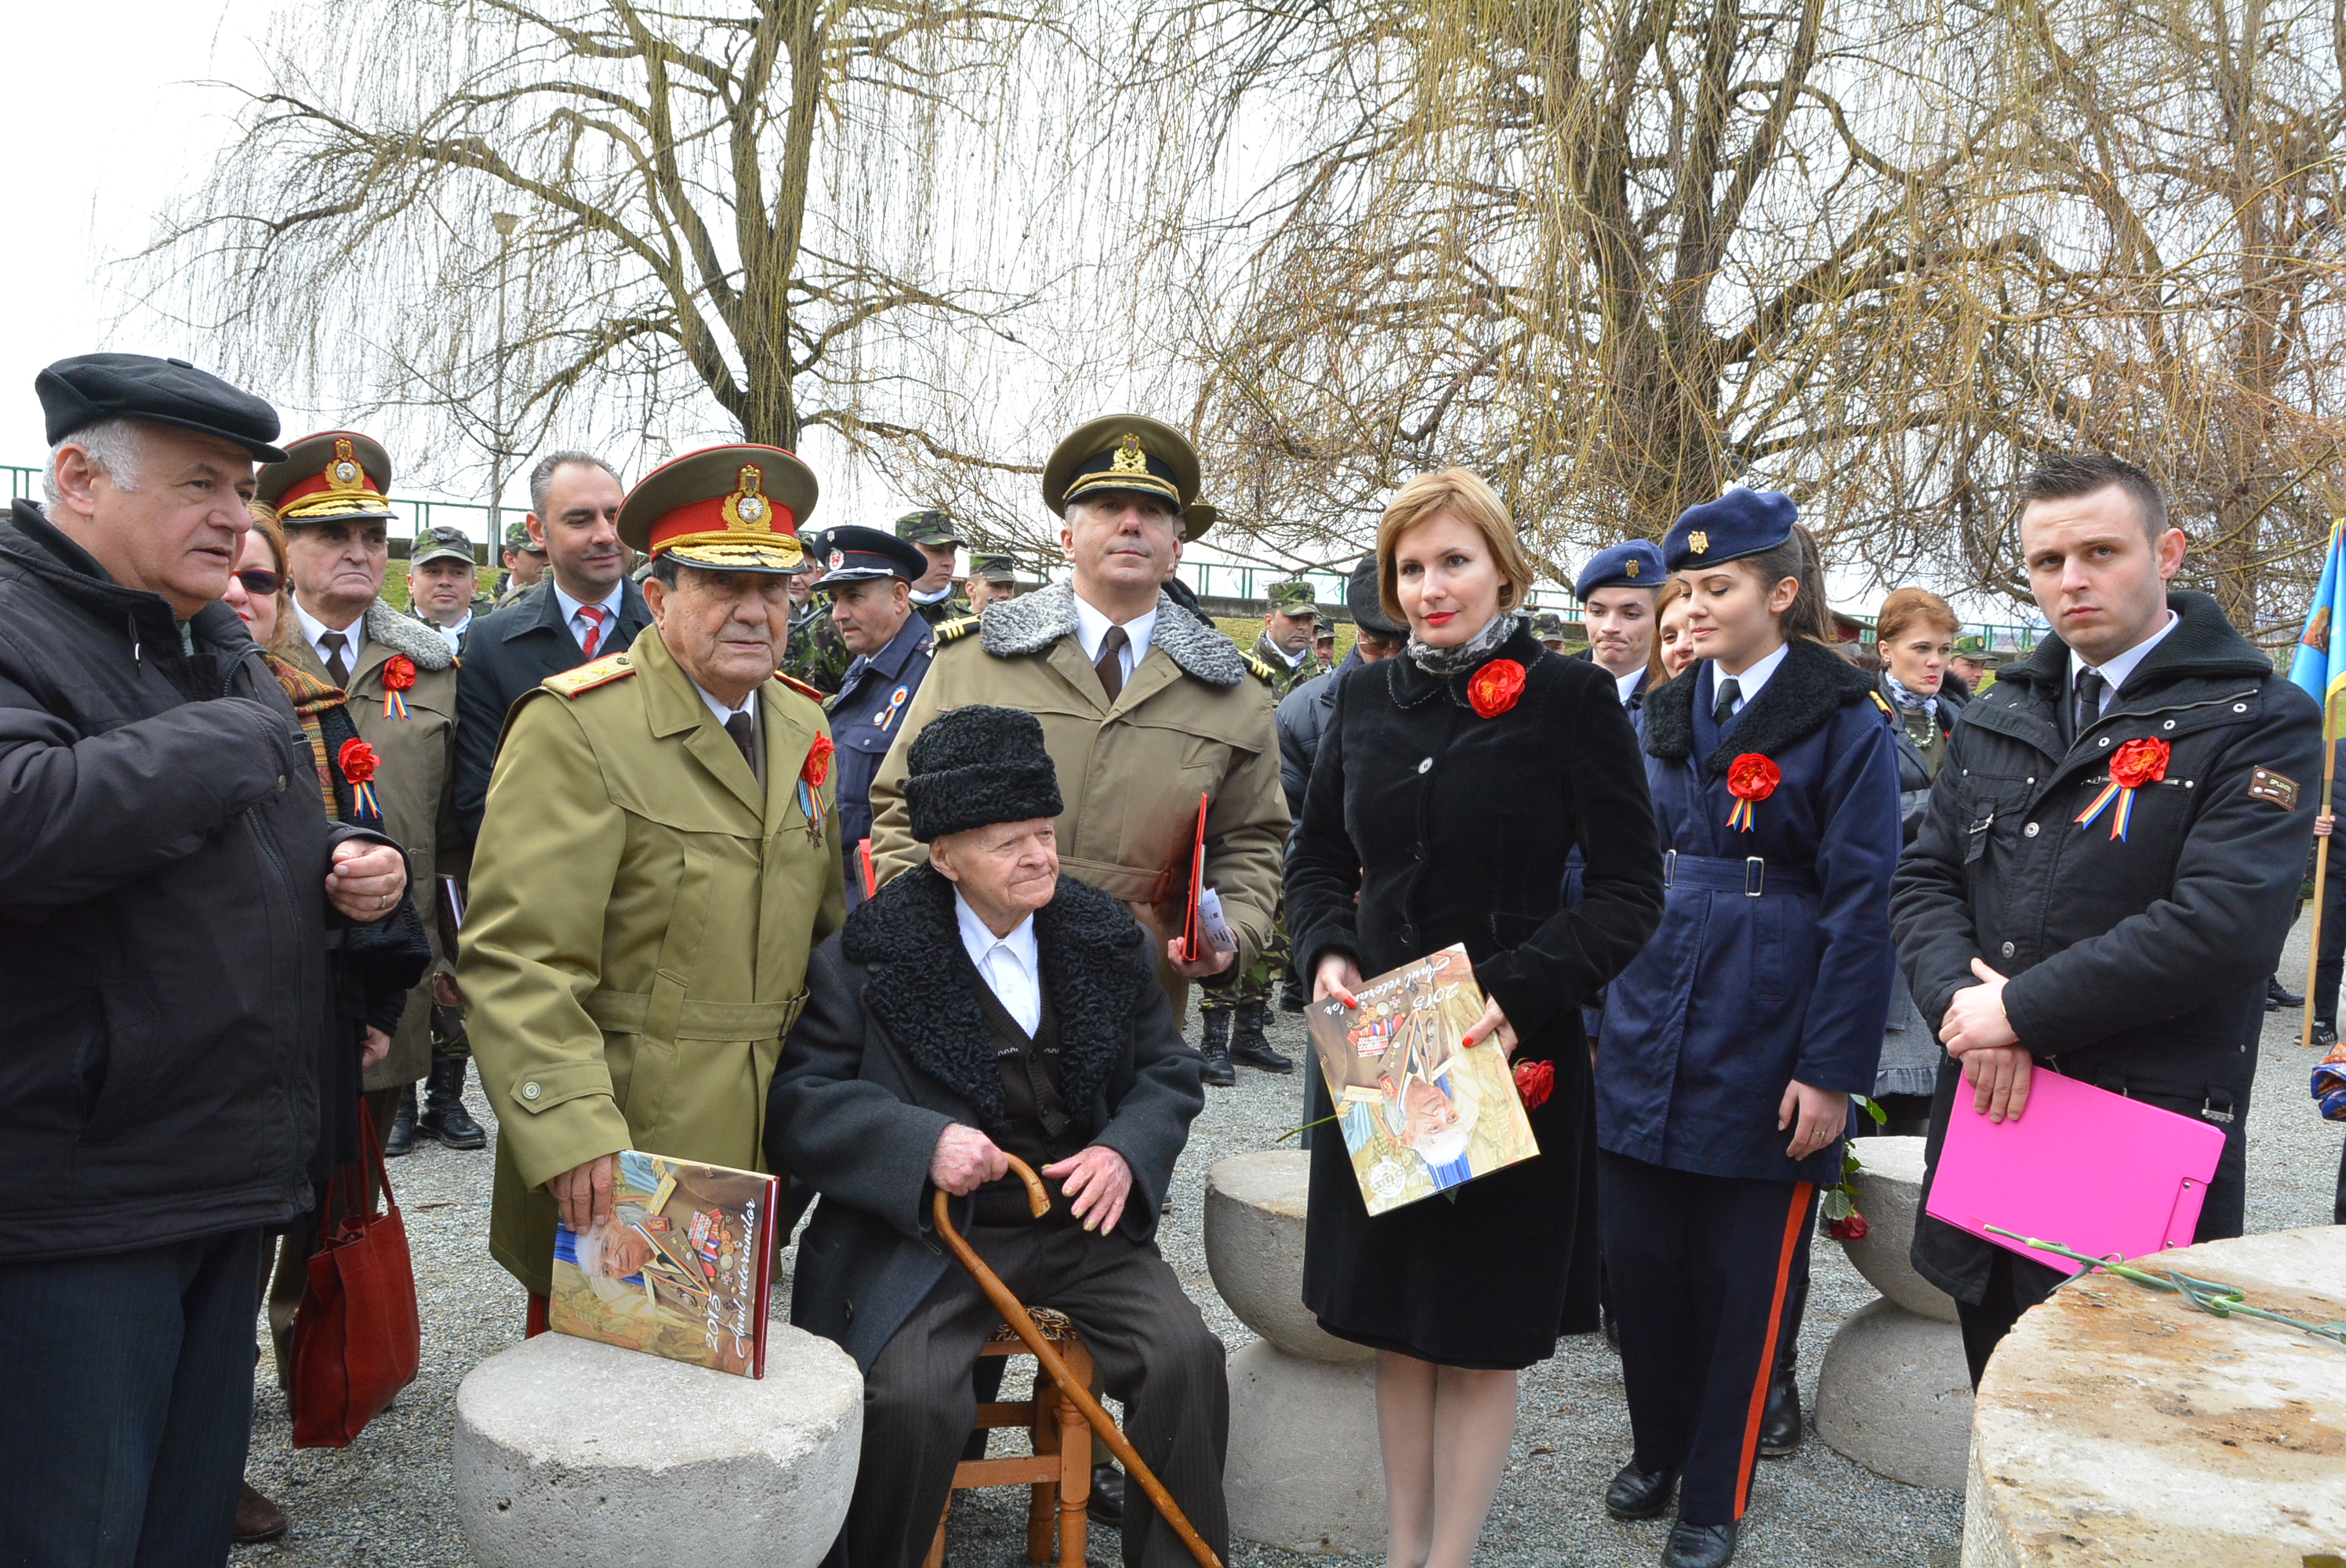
(386, 1498)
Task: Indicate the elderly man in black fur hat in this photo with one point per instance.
(977, 1005)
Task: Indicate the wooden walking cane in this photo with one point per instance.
(1038, 1203)
(2320, 858)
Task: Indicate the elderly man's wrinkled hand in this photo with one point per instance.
(965, 1159)
(366, 879)
(1096, 1183)
(583, 1194)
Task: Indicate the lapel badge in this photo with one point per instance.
(745, 510)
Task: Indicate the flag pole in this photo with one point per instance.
(2320, 859)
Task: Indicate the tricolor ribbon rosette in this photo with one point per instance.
(1495, 687)
(1751, 779)
(356, 760)
(398, 678)
(812, 773)
(2132, 766)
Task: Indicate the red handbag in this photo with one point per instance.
(356, 1338)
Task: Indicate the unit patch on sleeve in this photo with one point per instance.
(2264, 784)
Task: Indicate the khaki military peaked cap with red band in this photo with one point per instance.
(334, 476)
(723, 509)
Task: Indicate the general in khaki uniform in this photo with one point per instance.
(644, 898)
(1192, 718)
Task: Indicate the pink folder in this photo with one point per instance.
(2095, 1171)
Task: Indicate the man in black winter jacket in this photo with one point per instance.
(166, 869)
(2136, 964)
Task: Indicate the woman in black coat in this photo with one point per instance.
(1450, 819)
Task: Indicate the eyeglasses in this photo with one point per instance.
(259, 580)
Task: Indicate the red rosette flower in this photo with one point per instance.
(1853, 1229)
(2139, 762)
(817, 766)
(356, 759)
(1752, 776)
(398, 673)
(1534, 1080)
(1495, 687)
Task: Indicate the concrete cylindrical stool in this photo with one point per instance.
(569, 1452)
(1254, 1249)
(1895, 1395)
(1889, 1196)
(1305, 1474)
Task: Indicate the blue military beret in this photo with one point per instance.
(78, 393)
(1637, 564)
(1738, 524)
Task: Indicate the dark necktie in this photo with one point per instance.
(336, 665)
(1110, 663)
(1729, 694)
(2090, 686)
(744, 731)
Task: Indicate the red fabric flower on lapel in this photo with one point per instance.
(2138, 762)
(1534, 1080)
(1495, 687)
(399, 673)
(356, 759)
(817, 766)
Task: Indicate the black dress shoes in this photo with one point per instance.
(2278, 996)
(1699, 1546)
(1780, 1424)
(1106, 1504)
(1638, 1494)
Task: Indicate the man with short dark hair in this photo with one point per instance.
(525, 562)
(2035, 933)
(168, 875)
(584, 608)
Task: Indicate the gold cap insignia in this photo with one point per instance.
(1631, 567)
(1697, 541)
(344, 472)
(1129, 458)
(746, 511)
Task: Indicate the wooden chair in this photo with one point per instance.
(1061, 1465)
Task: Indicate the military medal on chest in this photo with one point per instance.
(2136, 763)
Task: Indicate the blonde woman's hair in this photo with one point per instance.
(265, 523)
(1466, 495)
(1674, 590)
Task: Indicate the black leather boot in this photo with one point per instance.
(401, 1139)
(1250, 1046)
(1106, 1504)
(1780, 1424)
(1699, 1546)
(444, 1118)
(1214, 1045)
(1640, 1493)
(2278, 996)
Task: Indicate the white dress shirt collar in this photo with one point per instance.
(1748, 684)
(610, 606)
(312, 629)
(2117, 670)
(1628, 684)
(1009, 965)
(1091, 626)
(749, 705)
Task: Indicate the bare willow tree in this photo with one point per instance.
(1619, 253)
(505, 214)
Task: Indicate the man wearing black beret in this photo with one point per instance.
(982, 1005)
(167, 876)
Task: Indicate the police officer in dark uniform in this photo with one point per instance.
(868, 577)
(933, 532)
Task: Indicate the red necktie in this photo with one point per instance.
(594, 615)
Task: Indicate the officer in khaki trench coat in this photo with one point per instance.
(401, 677)
(659, 855)
(1145, 707)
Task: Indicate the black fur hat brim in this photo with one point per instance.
(979, 795)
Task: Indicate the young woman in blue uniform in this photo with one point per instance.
(1724, 1077)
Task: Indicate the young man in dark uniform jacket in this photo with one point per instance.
(2136, 964)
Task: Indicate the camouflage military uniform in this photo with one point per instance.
(817, 655)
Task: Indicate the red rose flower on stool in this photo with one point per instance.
(357, 761)
(1751, 779)
(2136, 763)
(1495, 687)
(398, 677)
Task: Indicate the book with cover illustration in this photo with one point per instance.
(680, 1269)
(1419, 1115)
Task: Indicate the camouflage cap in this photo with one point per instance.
(442, 542)
(1294, 597)
(1972, 646)
(932, 527)
(994, 568)
(1548, 626)
(517, 538)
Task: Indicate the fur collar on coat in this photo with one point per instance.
(1808, 688)
(1091, 964)
(1033, 622)
(419, 640)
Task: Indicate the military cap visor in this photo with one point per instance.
(88, 389)
(334, 476)
(1128, 452)
(442, 544)
(852, 554)
(723, 509)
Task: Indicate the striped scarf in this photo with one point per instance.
(325, 717)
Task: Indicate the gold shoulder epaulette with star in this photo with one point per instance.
(570, 683)
(1263, 672)
(812, 694)
(959, 626)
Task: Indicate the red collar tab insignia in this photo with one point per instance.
(2136, 763)
(1751, 779)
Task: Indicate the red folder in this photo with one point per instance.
(1191, 943)
(2095, 1171)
